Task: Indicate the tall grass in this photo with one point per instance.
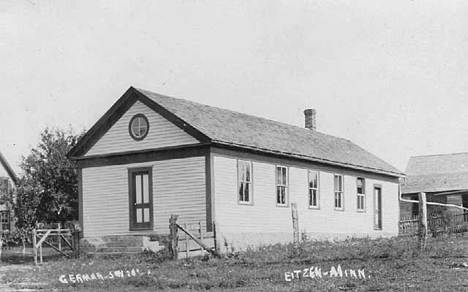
(255, 267)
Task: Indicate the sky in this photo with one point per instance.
(391, 76)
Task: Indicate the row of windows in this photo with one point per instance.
(282, 186)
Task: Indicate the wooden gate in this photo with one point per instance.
(192, 241)
(63, 240)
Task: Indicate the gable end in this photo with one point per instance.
(105, 123)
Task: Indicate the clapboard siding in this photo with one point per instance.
(178, 188)
(162, 133)
(264, 217)
(105, 201)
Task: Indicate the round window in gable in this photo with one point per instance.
(138, 127)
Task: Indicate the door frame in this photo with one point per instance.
(377, 203)
(132, 172)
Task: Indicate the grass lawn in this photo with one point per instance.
(351, 265)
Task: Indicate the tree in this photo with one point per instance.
(48, 190)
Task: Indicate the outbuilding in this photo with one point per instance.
(444, 179)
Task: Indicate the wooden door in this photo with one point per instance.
(377, 207)
(141, 210)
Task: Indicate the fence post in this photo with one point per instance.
(76, 242)
(215, 235)
(34, 246)
(422, 221)
(173, 244)
(40, 250)
(200, 226)
(59, 237)
(187, 243)
(295, 219)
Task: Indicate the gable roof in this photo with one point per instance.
(8, 168)
(436, 173)
(223, 127)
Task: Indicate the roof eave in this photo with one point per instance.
(8, 169)
(312, 158)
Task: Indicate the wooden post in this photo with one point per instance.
(215, 235)
(295, 219)
(34, 246)
(59, 237)
(76, 243)
(173, 244)
(187, 243)
(201, 230)
(40, 250)
(422, 230)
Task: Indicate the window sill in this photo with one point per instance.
(339, 209)
(314, 208)
(282, 205)
(245, 203)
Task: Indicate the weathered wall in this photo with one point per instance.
(179, 187)
(264, 222)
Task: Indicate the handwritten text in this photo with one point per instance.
(81, 278)
(316, 272)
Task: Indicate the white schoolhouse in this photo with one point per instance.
(150, 156)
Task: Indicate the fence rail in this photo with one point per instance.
(451, 223)
(193, 239)
(58, 238)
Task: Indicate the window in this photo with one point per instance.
(313, 189)
(244, 170)
(141, 198)
(138, 127)
(281, 186)
(338, 186)
(5, 220)
(361, 194)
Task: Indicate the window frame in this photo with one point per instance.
(285, 185)
(132, 172)
(338, 192)
(240, 182)
(130, 128)
(5, 219)
(317, 190)
(361, 195)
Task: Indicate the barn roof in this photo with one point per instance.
(229, 128)
(436, 173)
(8, 168)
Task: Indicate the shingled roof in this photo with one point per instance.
(222, 127)
(233, 128)
(436, 173)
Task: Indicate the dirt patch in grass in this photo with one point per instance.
(351, 265)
